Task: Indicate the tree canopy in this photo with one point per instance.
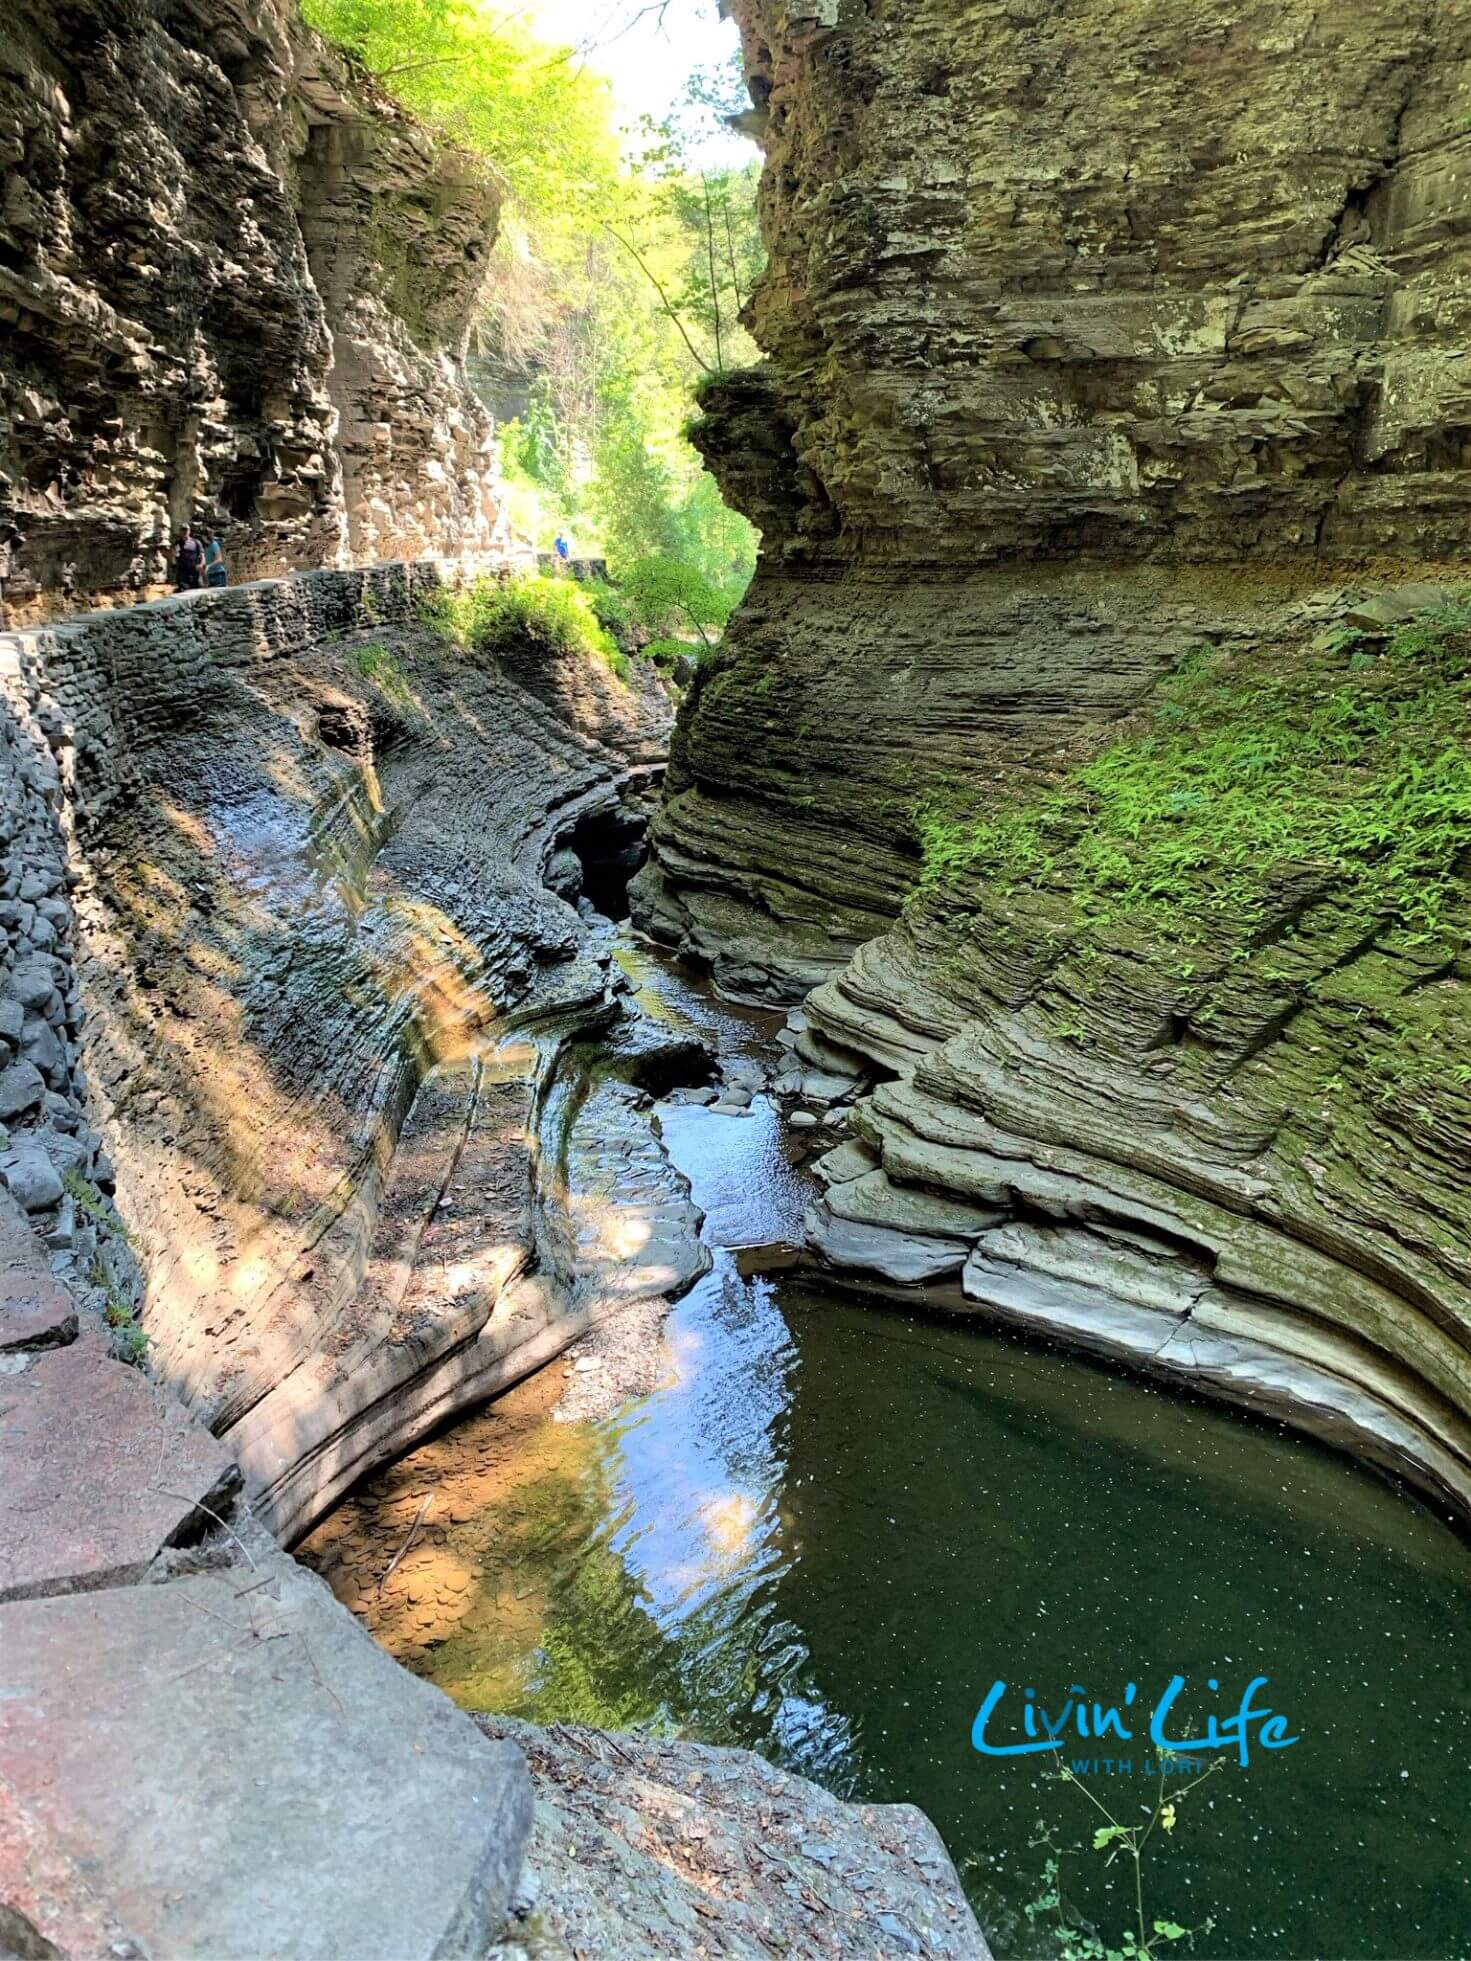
(617, 282)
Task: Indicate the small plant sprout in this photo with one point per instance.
(1153, 1934)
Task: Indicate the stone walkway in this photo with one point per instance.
(201, 1753)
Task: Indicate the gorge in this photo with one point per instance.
(1046, 950)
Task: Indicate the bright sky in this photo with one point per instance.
(648, 63)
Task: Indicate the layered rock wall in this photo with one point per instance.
(303, 951)
(1101, 336)
(235, 289)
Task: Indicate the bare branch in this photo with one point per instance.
(413, 67)
(668, 305)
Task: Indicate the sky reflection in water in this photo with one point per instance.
(837, 1524)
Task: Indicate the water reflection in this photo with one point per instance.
(836, 1525)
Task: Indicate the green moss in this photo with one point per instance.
(89, 1199)
(1260, 780)
(381, 668)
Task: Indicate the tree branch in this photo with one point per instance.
(412, 67)
(653, 278)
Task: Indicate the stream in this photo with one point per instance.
(833, 1525)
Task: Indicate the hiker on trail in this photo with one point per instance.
(190, 561)
(562, 549)
(216, 572)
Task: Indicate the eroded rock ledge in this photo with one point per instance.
(235, 287)
(1097, 336)
(321, 995)
(310, 985)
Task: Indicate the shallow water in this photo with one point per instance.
(837, 1524)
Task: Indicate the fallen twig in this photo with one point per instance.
(200, 1506)
(407, 1542)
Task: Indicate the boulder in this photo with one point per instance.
(21, 1088)
(30, 1177)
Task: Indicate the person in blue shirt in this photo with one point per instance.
(562, 549)
(216, 572)
(189, 562)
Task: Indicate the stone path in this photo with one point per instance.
(201, 1753)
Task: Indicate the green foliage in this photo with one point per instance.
(665, 652)
(379, 666)
(616, 613)
(672, 598)
(127, 1341)
(1255, 776)
(549, 616)
(612, 285)
(538, 117)
(87, 1198)
(1151, 1934)
(454, 612)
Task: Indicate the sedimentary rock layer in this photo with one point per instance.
(1099, 336)
(235, 288)
(328, 996)
(641, 1847)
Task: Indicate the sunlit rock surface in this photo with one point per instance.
(325, 1003)
(1095, 335)
(235, 288)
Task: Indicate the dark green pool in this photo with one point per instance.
(840, 1524)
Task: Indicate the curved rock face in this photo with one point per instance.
(208, 311)
(324, 997)
(1100, 335)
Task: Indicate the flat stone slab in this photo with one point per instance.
(99, 1471)
(643, 1848)
(46, 1897)
(910, 1259)
(36, 1310)
(240, 1772)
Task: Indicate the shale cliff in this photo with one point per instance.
(1112, 461)
(235, 288)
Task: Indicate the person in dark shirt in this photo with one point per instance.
(190, 562)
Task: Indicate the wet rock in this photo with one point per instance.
(873, 1199)
(819, 1087)
(909, 1259)
(1016, 589)
(847, 1162)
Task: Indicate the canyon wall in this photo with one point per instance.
(1116, 383)
(235, 289)
(277, 935)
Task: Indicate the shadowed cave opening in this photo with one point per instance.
(609, 846)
